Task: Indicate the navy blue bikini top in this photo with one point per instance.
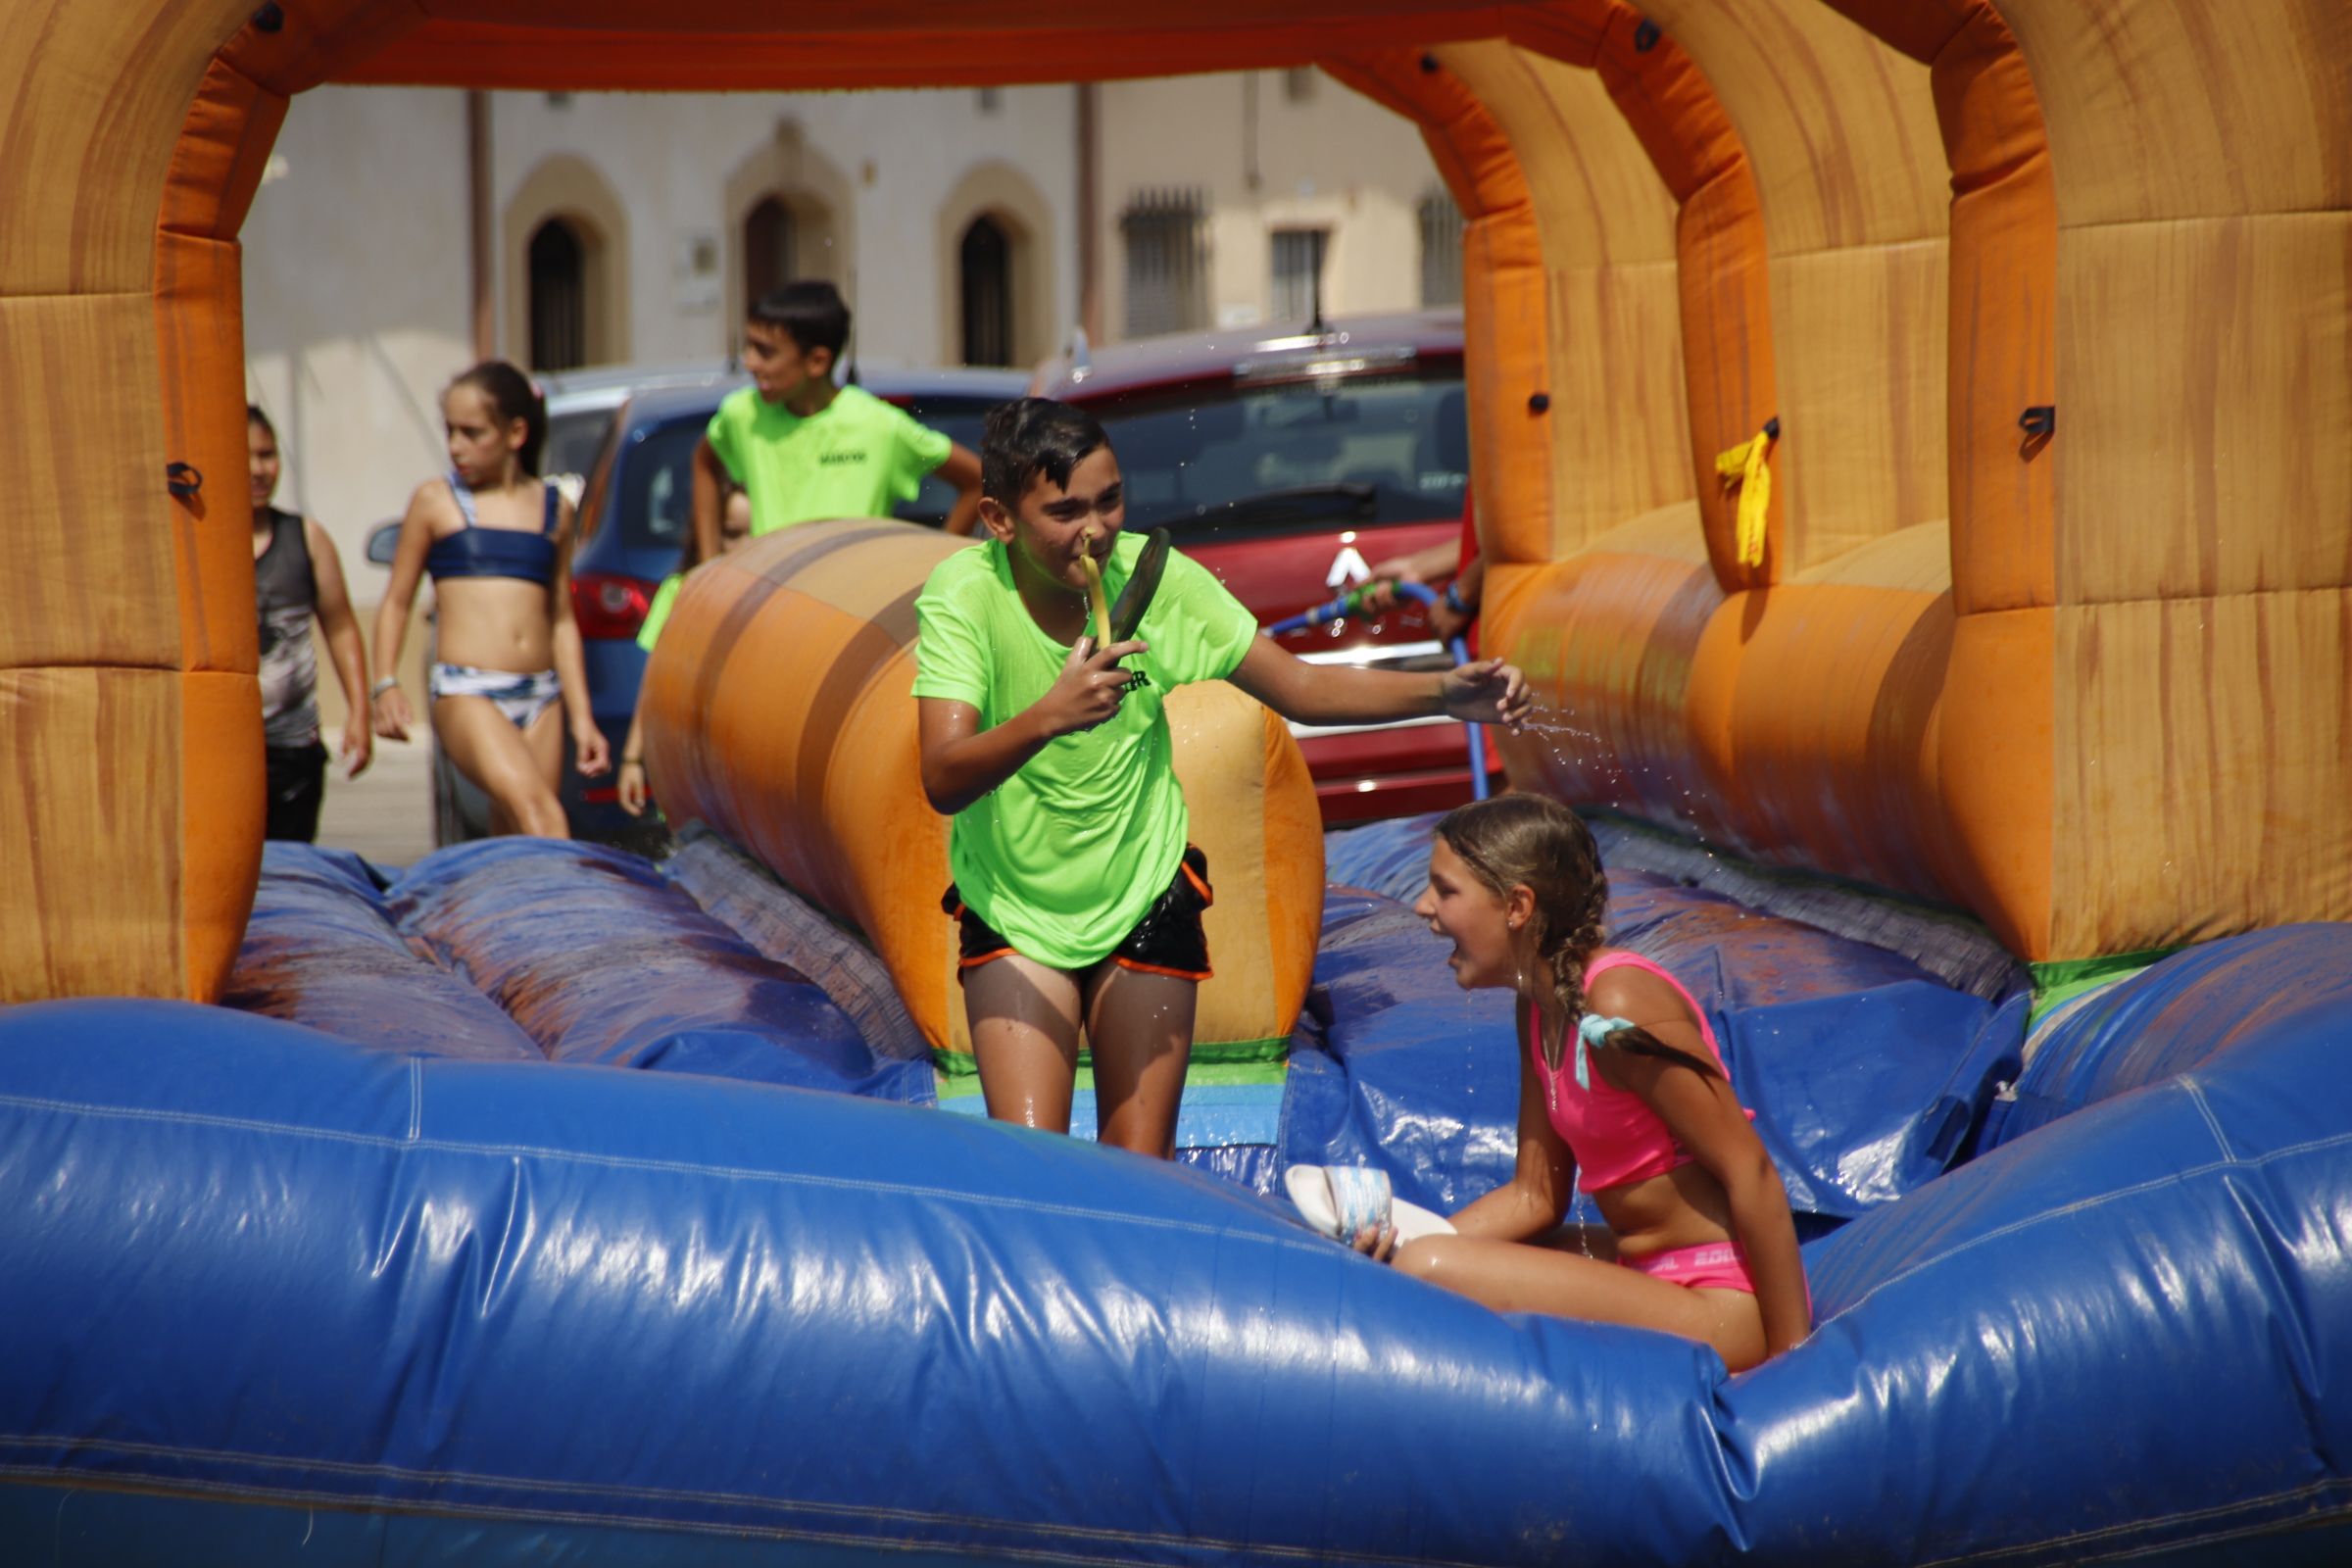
(474, 551)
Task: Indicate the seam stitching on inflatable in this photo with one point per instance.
(2217, 1510)
(416, 1099)
(2213, 1124)
(655, 1494)
(667, 1167)
(2170, 1179)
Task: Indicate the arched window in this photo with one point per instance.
(767, 249)
(993, 259)
(984, 267)
(564, 299)
(558, 297)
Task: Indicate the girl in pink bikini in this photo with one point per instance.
(1621, 1089)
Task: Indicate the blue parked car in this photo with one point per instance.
(634, 517)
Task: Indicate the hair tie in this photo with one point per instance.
(1594, 1030)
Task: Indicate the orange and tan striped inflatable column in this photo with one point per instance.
(1520, 436)
(1506, 308)
(2200, 555)
(1989, 762)
(132, 806)
(1666, 701)
(780, 711)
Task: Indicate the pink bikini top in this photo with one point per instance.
(1614, 1136)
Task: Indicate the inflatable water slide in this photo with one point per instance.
(1908, 440)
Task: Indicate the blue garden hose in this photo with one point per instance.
(1346, 604)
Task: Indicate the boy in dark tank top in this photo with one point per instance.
(297, 575)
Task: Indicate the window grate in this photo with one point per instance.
(1299, 273)
(1166, 234)
(1441, 248)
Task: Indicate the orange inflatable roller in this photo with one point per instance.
(779, 711)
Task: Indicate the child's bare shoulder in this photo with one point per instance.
(435, 501)
(1632, 992)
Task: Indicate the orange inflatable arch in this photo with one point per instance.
(2048, 614)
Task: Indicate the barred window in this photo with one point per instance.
(1441, 248)
(1166, 234)
(1299, 273)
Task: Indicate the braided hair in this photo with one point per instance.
(1535, 842)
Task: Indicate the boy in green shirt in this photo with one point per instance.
(805, 449)
(1077, 894)
(801, 449)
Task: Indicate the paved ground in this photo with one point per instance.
(386, 813)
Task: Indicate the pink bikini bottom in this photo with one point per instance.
(1711, 1266)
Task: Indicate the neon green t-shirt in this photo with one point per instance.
(859, 457)
(1065, 856)
(657, 614)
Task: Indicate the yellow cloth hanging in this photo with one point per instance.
(1744, 465)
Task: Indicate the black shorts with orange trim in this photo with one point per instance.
(1167, 940)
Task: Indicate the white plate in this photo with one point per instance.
(1310, 1194)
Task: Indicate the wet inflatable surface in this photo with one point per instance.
(503, 1306)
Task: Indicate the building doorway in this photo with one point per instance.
(985, 266)
(767, 249)
(558, 297)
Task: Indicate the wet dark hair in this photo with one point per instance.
(1535, 842)
(254, 415)
(812, 311)
(1030, 436)
(512, 395)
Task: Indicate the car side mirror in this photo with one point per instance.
(383, 543)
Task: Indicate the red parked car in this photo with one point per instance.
(1286, 463)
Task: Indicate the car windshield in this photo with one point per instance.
(657, 488)
(1243, 459)
(657, 494)
(573, 440)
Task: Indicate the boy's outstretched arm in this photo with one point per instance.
(962, 470)
(961, 762)
(1487, 692)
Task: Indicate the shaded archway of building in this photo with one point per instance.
(768, 246)
(1021, 218)
(2078, 703)
(565, 236)
(556, 296)
(984, 291)
(789, 215)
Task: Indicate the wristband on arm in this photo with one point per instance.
(1453, 599)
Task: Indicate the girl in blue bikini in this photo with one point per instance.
(497, 542)
(1621, 1092)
